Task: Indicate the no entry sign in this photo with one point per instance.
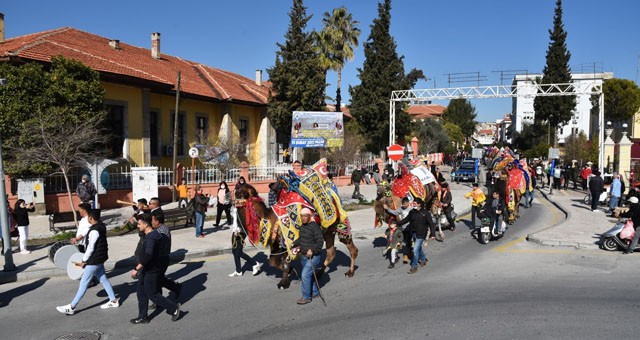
(396, 152)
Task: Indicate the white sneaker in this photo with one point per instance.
(235, 274)
(256, 268)
(111, 304)
(66, 309)
(25, 252)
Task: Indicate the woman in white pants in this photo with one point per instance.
(21, 215)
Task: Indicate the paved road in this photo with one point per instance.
(508, 289)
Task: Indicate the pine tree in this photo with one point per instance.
(298, 80)
(382, 73)
(557, 110)
(463, 114)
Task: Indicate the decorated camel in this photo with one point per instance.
(277, 227)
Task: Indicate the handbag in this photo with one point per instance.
(627, 231)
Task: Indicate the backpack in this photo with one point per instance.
(190, 208)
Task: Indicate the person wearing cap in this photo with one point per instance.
(634, 214)
(419, 218)
(478, 198)
(309, 244)
(86, 190)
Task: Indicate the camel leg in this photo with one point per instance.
(279, 261)
(353, 252)
(331, 253)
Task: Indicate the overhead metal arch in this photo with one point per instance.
(501, 91)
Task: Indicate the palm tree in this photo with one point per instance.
(336, 42)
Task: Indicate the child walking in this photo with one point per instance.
(394, 242)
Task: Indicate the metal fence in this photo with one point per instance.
(119, 177)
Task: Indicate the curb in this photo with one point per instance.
(555, 243)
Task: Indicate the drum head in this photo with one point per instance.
(62, 255)
(54, 248)
(75, 272)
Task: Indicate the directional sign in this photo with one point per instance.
(396, 152)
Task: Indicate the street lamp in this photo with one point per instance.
(9, 266)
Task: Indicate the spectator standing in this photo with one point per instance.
(21, 215)
(375, 170)
(596, 188)
(93, 261)
(201, 202)
(86, 191)
(615, 193)
(183, 193)
(309, 244)
(584, 174)
(224, 203)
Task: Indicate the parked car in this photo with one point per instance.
(467, 171)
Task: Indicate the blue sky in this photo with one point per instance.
(439, 37)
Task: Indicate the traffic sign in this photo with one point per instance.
(396, 152)
(193, 153)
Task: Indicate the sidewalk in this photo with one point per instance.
(185, 245)
(581, 228)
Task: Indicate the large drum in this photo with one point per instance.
(60, 252)
(73, 271)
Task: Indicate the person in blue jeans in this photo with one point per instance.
(201, 203)
(95, 255)
(419, 218)
(309, 244)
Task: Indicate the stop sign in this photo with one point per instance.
(396, 152)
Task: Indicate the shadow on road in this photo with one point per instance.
(6, 297)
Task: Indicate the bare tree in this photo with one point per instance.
(63, 140)
(350, 150)
(223, 154)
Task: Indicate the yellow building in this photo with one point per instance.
(140, 96)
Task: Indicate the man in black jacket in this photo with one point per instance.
(596, 187)
(309, 244)
(418, 220)
(447, 206)
(95, 255)
(149, 271)
(356, 178)
(495, 209)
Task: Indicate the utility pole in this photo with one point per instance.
(9, 266)
(175, 140)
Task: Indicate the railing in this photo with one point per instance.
(119, 177)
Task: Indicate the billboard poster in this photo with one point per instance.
(316, 129)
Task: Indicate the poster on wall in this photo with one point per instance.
(144, 182)
(316, 129)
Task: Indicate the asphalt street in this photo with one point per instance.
(508, 289)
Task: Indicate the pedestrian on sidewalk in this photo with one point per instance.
(238, 236)
(477, 199)
(309, 244)
(201, 202)
(86, 191)
(419, 218)
(21, 214)
(93, 260)
(356, 178)
(149, 272)
(13, 228)
(394, 242)
(224, 203)
(615, 193)
(183, 193)
(596, 188)
(584, 174)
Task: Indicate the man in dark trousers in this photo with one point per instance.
(150, 270)
(86, 191)
(356, 178)
(309, 244)
(157, 223)
(447, 206)
(418, 220)
(596, 187)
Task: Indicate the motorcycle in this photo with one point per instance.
(611, 241)
(489, 231)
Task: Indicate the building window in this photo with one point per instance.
(202, 128)
(181, 132)
(243, 131)
(154, 133)
(115, 124)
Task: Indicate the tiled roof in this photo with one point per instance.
(425, 111)
(131, 61)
